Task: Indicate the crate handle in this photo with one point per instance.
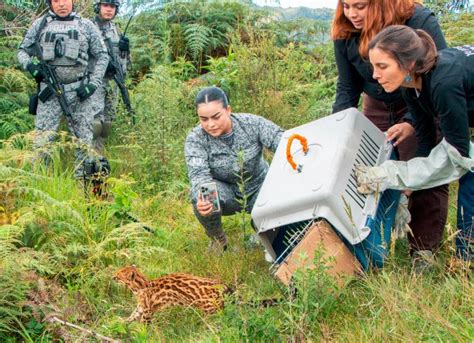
(289, 157)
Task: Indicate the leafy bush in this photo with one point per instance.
(287, 85)
(14, 117)
(153, 147)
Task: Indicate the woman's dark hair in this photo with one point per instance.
(406, 46)
(210, 94)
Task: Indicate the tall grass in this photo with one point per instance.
(60, 235)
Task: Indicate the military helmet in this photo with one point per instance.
(116, 3)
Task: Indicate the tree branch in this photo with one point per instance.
(54, 319)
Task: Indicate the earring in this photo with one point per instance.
(408, 78)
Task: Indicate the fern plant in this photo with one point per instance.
(58, 220)
(14, 118)
(203, 29)
(18, 121)
(198, 39)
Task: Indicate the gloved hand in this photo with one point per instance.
(402, 218)
(370, 179)
(124, 44)
(85, 91)
(35, 69)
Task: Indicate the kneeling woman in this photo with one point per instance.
(212, 151)
(434, 85)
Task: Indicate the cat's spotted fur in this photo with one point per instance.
(171, 290)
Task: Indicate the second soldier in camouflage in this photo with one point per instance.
(106, 11)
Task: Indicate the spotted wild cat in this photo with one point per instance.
(177, 289)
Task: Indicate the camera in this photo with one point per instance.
(208, 192)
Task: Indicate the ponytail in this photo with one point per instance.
(430, 54)
(414, 50)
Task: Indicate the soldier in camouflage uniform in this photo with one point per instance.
(67, 42)
(106, 11)
(212, 150)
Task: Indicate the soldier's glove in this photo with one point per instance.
(85, 91)
(124, 44)
(98, 166)
(35, 69)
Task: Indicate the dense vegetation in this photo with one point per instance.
(58, 248)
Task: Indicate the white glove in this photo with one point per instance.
(370, 179)
(444, 165)
(402, 218)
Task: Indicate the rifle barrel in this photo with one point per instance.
(119, 79)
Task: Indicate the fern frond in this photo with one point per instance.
(55, 209)
(9, 238)
(13, 80)
(197, 38)
(15, 120)
(15, 174)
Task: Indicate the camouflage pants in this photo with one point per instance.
(49, 116)
(229, 200)
(104, 118)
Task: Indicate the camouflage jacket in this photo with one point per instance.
(210, 157)
(110, 31)
(80, 42)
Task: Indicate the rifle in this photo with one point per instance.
(119, 79)
(51, 78)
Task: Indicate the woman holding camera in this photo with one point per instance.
(355, 23)
(225, 151)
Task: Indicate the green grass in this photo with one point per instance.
(76, 244)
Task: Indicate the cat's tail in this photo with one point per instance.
(236, 299)
(264, 302)
(230, 292)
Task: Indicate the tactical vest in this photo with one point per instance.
(65, 46)
(110, 32)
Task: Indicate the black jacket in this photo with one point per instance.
(448, 93)
(355, 74)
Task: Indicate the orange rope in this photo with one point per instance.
(304, 143)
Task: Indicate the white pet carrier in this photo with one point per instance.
(316, 180)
